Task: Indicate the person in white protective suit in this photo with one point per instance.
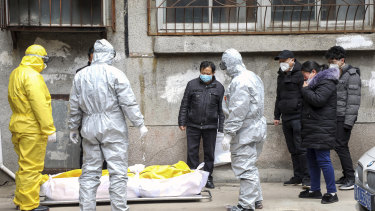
(100, 99)
(245, 127)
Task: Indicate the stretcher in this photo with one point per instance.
(175, 182)
(204, 195)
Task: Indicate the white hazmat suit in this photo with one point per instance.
(100, 99)
(245, 127)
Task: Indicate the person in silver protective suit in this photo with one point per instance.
(245, 127)
(100, 99)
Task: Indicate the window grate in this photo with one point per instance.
(210, 17)
(57, 14)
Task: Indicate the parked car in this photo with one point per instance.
(364, 188)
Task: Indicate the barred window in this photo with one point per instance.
(58, 13)
(174, 17)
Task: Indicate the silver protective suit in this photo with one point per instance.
(100, 99)
(246, 124)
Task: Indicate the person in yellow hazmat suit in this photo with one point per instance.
(31, 125)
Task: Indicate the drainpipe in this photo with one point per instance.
(2, 167)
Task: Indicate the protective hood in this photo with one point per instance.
(31, 60)
(103, 52)
(233, 61)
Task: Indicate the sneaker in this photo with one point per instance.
(340, 181)
(258, 205)
(240, 208)
(348, 185)
(307, 194)
(293, 181)
(306, 184)
(329, 199)
(210, 184)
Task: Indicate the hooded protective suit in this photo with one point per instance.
(100, 99)
(246, 125)
(31, 123)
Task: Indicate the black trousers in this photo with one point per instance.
(342, 150)
(292, 133)
(194, 136)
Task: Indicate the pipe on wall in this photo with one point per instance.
(2, 166)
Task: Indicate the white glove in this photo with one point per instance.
(52, 138)
(137, 168)
(143, 130)
(74, 136)
(226, 142)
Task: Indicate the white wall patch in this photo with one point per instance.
(54, 47)
(6, 59)
(56, 155)
(176, 84)
(353, 41)
(50, 78)
(370, 83)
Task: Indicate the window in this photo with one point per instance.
(259, 16)
(59, 13)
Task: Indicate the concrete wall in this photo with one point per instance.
(159, 68)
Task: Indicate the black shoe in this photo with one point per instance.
(306, 183)
(41, 208)
(210, 184)
(240, 208)
(293, 181)
(258, 205)
(340, 181)
(348, 185)
(329, 199)
(307, 194)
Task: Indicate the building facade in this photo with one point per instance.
(160, 44)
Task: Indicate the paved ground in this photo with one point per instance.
(276, 198)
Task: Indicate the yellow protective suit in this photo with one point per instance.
(30, 124)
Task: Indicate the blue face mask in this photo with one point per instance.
(206, 78)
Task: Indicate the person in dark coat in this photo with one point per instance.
(201, 115)
(288, 106)
(319, 127)
(348, 102)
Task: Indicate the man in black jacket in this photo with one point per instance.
(201, 115)
(288, 106)
(348, 102)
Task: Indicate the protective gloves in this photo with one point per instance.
(226, 142)
(52, 138)
(74, 136)
(143, 130)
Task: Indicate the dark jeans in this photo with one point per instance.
(292, 133)
(194, 136)
(321, 160)
(342, 150)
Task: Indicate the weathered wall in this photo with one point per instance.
(159, 68)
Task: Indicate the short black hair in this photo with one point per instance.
(336, 52)
(91, 51)
(309, 66)
(206, 64)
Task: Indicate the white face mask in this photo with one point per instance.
(334, 66)
(284, 66)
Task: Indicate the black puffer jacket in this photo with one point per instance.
(319, 111)
(349, 95)
(288, 94)
(201, 106)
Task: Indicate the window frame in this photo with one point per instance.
(264, 20)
